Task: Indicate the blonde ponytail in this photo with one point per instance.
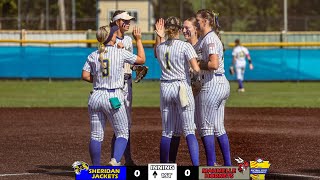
(102, 35)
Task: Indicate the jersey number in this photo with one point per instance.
(167, 61)
(241, 54)
(105, 71)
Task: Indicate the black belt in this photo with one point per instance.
(105, 89)
(215, 74)
(172, 80)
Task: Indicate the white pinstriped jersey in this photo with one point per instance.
(196, 47)
(174, 57)
(127, 43)
(240, 53)
(114, 59)
(211, 44)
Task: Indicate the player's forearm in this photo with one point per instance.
(141, 53)
(249, 58)
(159, 40)
(86, 76)
(212, 64)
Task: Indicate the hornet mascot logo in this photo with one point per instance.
(242, 165)
(78, 166)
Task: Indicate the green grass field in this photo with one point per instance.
(15, 93)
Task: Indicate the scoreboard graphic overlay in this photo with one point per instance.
(169, 171)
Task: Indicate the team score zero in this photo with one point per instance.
(166, 55)
(105, 71)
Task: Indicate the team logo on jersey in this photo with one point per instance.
(211, 47)
(242, 165)
(78, 166)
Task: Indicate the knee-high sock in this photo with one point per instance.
(174, 146)
(208, 142)
(127, 152)
(225, 149)
(112, 145)
(164, 149)
(119, 147)
(193, 149)
(95, 152)
(240, 83)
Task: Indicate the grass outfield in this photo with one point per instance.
(16, 93)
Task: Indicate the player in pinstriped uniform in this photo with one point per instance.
(191, 35)
(215, 89)
(122, 20)
(239, 54)
(176, 96)
(102, 68)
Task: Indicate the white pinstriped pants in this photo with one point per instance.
(127, 92)
(240, 69)
(210, 105)
(100, 110)
(171, 110)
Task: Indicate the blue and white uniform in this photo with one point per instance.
(127, 43)
(215, 89)
(108, 84)
(240, 53)
(174, 56)
(178, 126)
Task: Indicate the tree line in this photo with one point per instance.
(235, 15)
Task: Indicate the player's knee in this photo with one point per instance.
(123, 134)
(206, 132)
(220, 132)
(97, 136)
(167, 134)
(186, 132)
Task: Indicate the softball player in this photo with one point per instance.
(215, 89)
(122, 20)
(191, 35)
(174, 57)
(239, 54)
(102, 68)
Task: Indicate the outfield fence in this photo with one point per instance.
(277, 56)
(275, 64)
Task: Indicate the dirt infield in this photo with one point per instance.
(42, 143)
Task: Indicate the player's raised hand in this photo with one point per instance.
(250, 66)
(136, 33)
(160, 27)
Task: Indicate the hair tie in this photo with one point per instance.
(216, 19)
(101, 45)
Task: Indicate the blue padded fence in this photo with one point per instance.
(57, 62)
